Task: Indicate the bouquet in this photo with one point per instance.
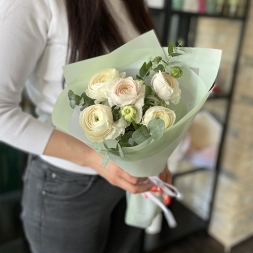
(135, 105)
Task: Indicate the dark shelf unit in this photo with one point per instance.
(192, 14)
(188, 221)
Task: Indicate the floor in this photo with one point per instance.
(195, 243)
(202, 243)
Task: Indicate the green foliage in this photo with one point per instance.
(157, 59)
(141, 134)
(116, 113)
(170, 48)
(176, 72)
(97, 147)
(159, 67)
(116, 150)
(139, 78)
(105, 160)
(148, 91)
(156, 128)
(125, 140)
(76, 100)
(143, 70)
(73, 99)
(131, 142)
(120, 151)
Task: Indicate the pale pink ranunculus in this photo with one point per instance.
(98, 83)
(125, 92)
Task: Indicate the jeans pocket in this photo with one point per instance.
(65, 185)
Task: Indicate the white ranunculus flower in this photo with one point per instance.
(97, 123)
(118, 128)
(166, 87)
(126, 91)
(160, 112)
(98, 83)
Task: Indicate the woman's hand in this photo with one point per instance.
(67, 147)
(166, 176)
(118, 177)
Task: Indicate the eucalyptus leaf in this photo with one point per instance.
(72, 103)
(156, 128)
(131, 142)
(157, 59)
(105, 160)
(97, 147)
(77, 99)
(120, 151)
(138, 77)
(170, 48)
(143, 70)
(126, 136)
(87, 100)
(141, 134)
(105, 144)
(82, 101)
(71, 94)
(149, 65)
(159, 67)
(110, 144)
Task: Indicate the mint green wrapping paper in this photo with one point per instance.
(200, 68)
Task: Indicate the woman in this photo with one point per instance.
(68, 196)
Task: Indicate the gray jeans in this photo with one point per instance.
(65, 212)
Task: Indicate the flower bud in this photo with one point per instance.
(128, 113)
(176, 72)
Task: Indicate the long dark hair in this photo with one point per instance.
(92, 28)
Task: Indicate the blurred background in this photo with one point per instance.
(212, 166)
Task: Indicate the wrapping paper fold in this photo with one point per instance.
(200, 67)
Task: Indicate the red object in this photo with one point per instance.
(216, 90)
(202, 6)
(166, 198)
(156, 189)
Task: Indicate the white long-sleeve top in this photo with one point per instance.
(33, 48)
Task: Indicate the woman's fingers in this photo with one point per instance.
(132, 188)
(120, 178)
(131, 183)
(166, 176)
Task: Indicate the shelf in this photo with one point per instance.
(193, 14)
(156, 10)
(188, 223)
(219, 96)
(194, 170)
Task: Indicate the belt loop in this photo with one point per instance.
(29, 160)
